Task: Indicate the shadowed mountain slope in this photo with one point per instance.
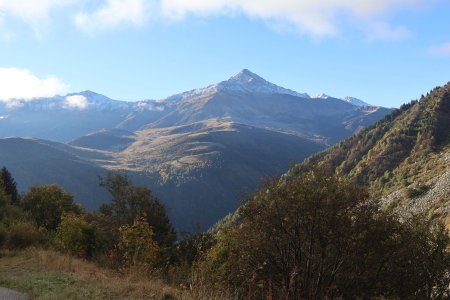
(106, 139)
(34, 161)
(202, 170)
(199, 171)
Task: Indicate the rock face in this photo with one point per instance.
(436, 200)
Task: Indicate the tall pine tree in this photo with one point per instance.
(8, 185)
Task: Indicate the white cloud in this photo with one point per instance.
(35, 13)
(315, 17)
(31, 11)
(22, 84)
(76, 101)
(113, 14)
(441, 50)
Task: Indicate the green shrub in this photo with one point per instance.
(47, 203)
(10, 214)
(414, 192)
(22, 235)
(3, 235)
(76, 235)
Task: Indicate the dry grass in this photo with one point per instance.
(47, 274)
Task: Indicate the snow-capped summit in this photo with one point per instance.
(321, 96)
(246, 76)
(355, 101)
(350, 100)
(247, 81)
(243, 82)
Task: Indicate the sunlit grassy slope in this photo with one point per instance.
(47, 274)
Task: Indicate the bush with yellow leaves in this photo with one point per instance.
(136, 245)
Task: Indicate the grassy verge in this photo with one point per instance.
(46, 274)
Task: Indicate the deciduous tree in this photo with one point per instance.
(47, 203)
(130, 201)
(317, 236)
(136, 245)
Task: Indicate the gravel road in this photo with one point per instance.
(7, 294)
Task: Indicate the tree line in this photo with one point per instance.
(312, 236)
(133, 229)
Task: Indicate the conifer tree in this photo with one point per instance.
(8, 185)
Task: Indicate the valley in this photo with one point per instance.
(225, 150)
(200, 151)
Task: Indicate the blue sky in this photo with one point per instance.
(386, 52)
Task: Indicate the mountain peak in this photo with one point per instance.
(89, 93)
(246, 76)
(248, 82)
(245, 82)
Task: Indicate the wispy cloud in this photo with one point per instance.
(113, 14)
(22, 84)
(440, 50)
(35, 12)
(32, 11)
(313, 17)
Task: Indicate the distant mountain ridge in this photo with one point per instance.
(245, 98)
(94, 101)
(199, 151)
(351, 100)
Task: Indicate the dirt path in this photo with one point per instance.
(7, 294)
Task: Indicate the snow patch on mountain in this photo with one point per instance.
(355, 101)
(246, 81)
(321, 96)
(351, 100)
(243, 82)
(13, 104)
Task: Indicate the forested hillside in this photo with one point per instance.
(293, 235)
(407, 151)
